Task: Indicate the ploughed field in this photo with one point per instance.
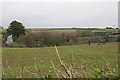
(36, 62)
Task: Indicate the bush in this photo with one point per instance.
(84, 33)
(40, 39)
(17, 44)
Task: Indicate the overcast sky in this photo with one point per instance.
(60, 14)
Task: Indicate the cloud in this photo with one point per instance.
(61, 14)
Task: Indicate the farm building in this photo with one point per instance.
(116, 34)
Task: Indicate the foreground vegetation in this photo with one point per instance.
(83, 61)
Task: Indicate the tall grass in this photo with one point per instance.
(65, 71)
(72, 71)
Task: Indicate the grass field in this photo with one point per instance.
(74, 30)
(62, 30)
(99, 30)
(86, 59)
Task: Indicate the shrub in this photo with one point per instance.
(38, 39)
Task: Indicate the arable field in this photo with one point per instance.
(89, 61)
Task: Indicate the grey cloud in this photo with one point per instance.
(62, 14)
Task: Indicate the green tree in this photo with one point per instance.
(16, 29)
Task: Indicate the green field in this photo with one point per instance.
(73, 30)
(37, 60)
(64, 30)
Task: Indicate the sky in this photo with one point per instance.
(59, 14)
